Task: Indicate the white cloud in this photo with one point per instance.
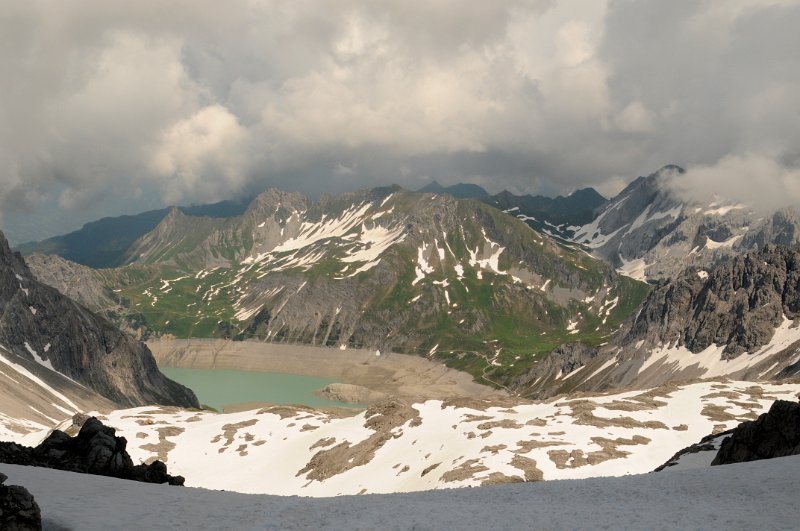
(636, 118)
(206, 99)
(204, 155)
(758, 181)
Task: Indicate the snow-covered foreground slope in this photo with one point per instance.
(394, 447)
(758, 495)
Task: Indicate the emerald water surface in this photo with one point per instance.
(222, 387)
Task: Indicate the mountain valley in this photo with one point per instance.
(384, 269)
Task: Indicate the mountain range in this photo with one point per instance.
(650, 232)
(384, 269)
(491, 285)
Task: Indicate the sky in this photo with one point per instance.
(110, 107)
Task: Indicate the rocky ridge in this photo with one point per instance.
(739, 320)
(38, 323)
(775, 433)
(648, 231)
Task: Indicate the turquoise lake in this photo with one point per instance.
(222, 387)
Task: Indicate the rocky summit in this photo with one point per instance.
(18, 510)
(650, 231)
(39, 324)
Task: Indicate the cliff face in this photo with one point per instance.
(738, 305)
(39, 323)
(739, 320)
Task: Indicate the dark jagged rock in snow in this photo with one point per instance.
(95, 450)
(40, 324)
(708, 443)
(775, 433)
(18, 510)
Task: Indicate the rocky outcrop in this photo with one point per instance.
(18, 510)
(738, 305)
(94, 450)
(40, 324)
(774, 434)
(82, 284)
(741, 319)
(709, 443)
(561, 362)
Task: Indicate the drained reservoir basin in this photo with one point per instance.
(221, 388)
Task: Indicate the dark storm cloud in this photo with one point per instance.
(200, 100)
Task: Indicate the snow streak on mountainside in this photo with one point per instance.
(385, 269)
(395, 447)
(648, 232)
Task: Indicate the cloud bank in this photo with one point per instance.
(200, 100)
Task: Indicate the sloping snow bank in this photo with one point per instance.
(757, 495)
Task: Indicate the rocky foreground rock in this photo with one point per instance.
(95, 450)
(774, 434)
(18, 510)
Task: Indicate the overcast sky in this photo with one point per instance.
(108, 107)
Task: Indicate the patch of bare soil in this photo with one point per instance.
(464, 471)
(528, 467)
(498, 478)
(382, 418)
(583, 413)
(503, 423)
(524, 447)
(163, 447)
(229, 432)
(609, 450)
(494, 450)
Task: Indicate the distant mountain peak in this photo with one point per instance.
(460, 190)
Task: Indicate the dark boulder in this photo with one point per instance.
(18, 510)
(95, 450)
(774, 434)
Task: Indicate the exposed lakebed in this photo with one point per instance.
(220, 388)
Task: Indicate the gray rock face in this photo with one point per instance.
(18, 510)
(774, 434)
(543, 379)
(39, 323)
(739, 305)
(78, 282)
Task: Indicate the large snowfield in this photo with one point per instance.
(759, 495)
(439, 444)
